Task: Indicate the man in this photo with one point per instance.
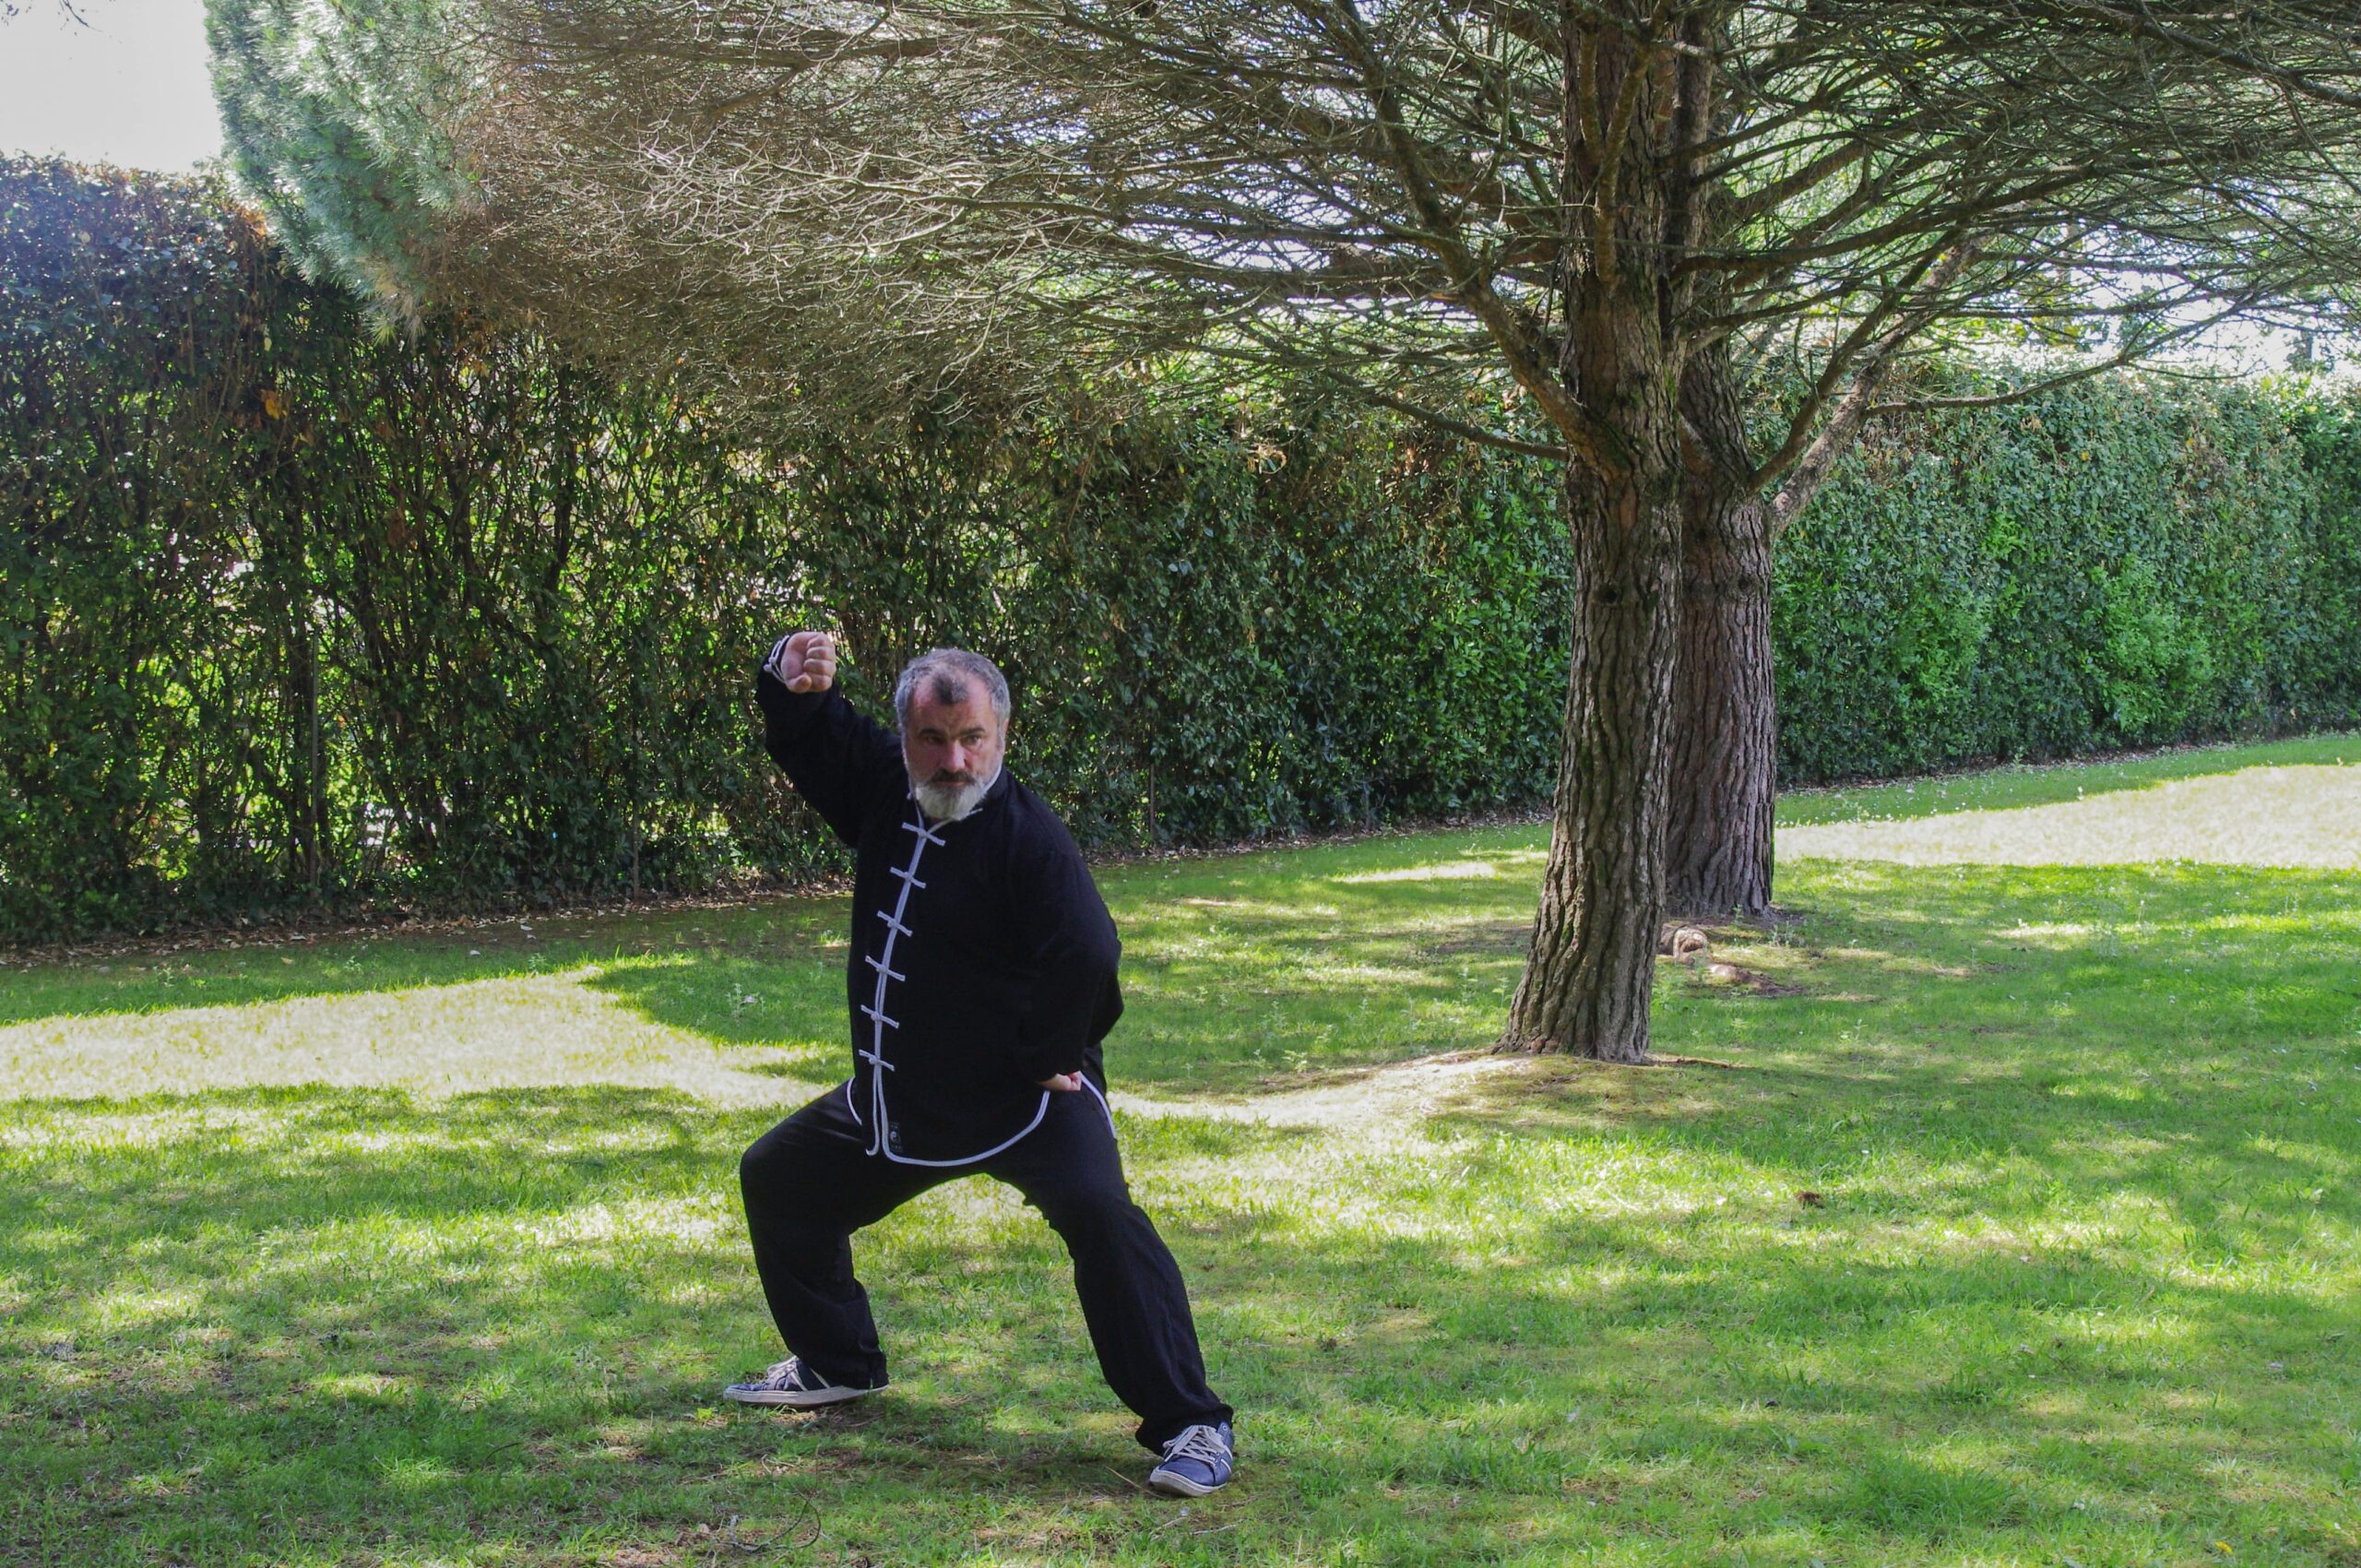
(981, 980)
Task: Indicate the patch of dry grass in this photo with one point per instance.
(2306, 817)
(532, 1030)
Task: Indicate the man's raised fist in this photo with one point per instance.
(805, 661)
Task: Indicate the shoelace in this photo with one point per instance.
(1201, 1443)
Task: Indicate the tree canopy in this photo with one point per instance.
(919, 199)
(1608, 205)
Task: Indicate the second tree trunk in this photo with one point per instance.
(1725, 746)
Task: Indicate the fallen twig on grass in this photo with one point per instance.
(805, 1532)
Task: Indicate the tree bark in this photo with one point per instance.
(1724, 739)
(1588, 982)
(1726, 761)
(1725, 756)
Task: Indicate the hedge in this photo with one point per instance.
(293, 611)
(297, 613)
(2124, 562)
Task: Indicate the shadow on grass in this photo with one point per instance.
(303, 1320)
(1238, 969)
(2187, 1035)
(2076, 1277)
(1582, 1316)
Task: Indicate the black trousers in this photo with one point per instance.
(811, 1182)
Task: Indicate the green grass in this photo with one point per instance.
(2292, 804)
(2036, 784)
(426, 1249)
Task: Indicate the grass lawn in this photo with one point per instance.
(2023, 1227)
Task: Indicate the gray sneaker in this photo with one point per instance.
(792, 1382)
(1196, 1463)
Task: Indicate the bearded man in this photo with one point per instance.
(981, 983)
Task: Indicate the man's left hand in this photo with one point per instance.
(1064, 1083)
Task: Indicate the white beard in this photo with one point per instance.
(950, 802)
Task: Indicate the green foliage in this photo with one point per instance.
(331, 114)
(2318, 634)
(131, 607)
(2156, 663)
(2116, 563)
(295, 613)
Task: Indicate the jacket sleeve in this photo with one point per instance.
(836, 758)
(1066, 941)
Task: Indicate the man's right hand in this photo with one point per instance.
(806, 661)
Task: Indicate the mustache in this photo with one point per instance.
(945, 776)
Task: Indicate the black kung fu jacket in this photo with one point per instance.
(983, 959)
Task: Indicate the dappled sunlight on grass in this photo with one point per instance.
(2022, 1224)
(1449, 871)
(1232, 972)
(236, 972)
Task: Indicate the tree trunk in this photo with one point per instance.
(1588, 980)
(1725, 763)
(1590, 975)
(1724, 758)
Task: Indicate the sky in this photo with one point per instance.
(126, 85)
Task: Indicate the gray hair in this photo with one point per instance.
(945, 671)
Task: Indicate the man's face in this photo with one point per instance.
(953, 751)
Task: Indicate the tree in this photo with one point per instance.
(2251, 220)
(1548, 226)
(1737, 503)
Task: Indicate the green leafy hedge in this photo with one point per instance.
(2121, 561)
(294, 612)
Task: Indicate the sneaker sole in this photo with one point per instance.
(1181, 1486)
(801, 1399)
